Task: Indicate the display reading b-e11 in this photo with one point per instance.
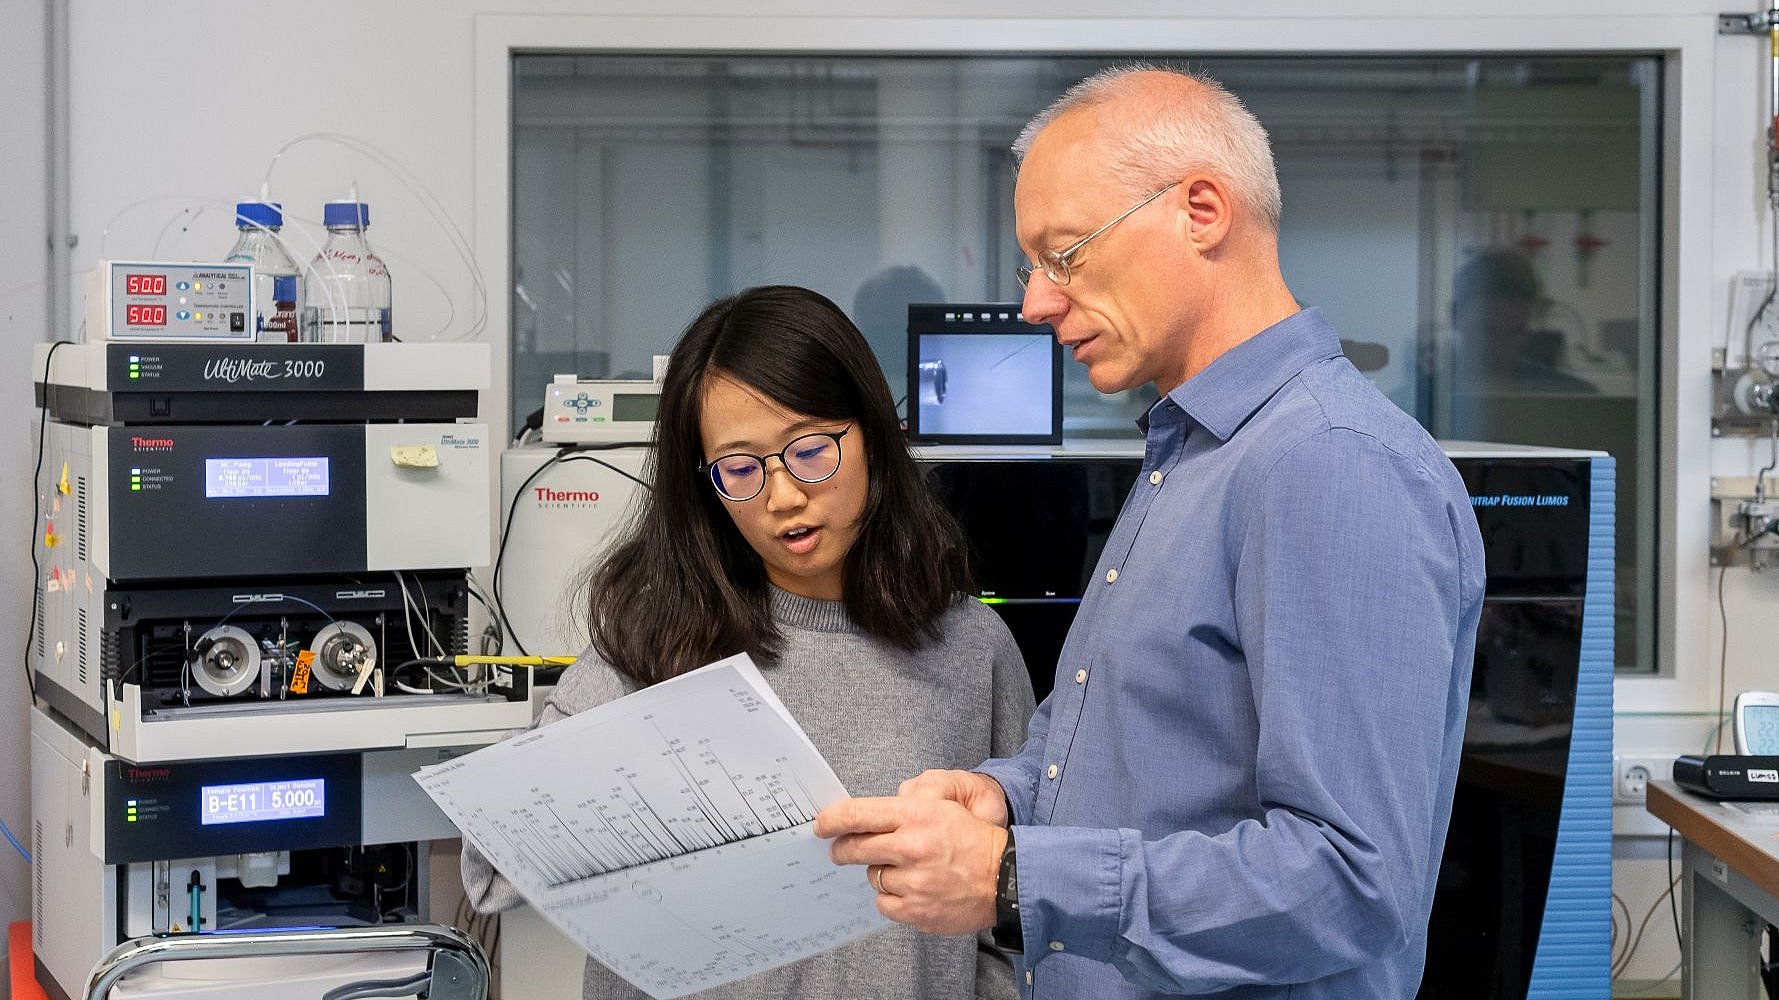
(259, 801)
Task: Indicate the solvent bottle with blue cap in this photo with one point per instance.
(348, 291)
(277, 281)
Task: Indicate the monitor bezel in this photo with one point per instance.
(929, 318)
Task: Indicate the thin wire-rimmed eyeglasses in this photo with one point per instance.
(1055, 263)
(740, 477)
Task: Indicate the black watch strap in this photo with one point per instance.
(1008, 934)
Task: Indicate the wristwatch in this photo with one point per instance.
(1008, 935)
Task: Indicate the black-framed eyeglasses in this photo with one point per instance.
(1056, 264)
(811, 458)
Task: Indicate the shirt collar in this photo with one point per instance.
(1228, 391)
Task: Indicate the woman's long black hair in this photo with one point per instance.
(681, 587)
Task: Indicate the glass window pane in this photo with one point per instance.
(1482, 230)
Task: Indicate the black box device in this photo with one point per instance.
(1729, 776)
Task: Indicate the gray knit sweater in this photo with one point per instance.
(879, 715)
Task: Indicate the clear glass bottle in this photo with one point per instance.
(348, 292)
(277, 281)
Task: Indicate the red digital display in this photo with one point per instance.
(135, 315)
(145, 284)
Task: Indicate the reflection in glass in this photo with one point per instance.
(1485, 228)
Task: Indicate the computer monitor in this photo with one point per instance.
(978, 373)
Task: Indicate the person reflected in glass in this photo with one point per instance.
(880, 308)
(1496, 298)
(788, 520)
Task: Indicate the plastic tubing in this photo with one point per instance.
(427, 200)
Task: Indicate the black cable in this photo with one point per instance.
(573, 453)
(459, 679)
(36, 512)
(1637, 941)
(1748, 332)
(425, 664)
(1673, 907)
(1619, 903)
(1723, 656)
(493, 621)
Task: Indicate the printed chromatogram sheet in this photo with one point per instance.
(668, 832)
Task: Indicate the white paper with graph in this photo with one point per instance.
(668, 832)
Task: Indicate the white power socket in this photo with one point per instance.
(1632, 773)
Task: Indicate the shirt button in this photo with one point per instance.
(1028, 977)
(1056, 946)
(1052, 772)
(1155, 477)
(1081, 677)
(1111, 576)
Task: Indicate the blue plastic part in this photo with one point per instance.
(1574, 958)
(263, 213)
(346, 213)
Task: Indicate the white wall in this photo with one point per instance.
(24, 304)
(193, 97)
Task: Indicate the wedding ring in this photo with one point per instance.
(877, 880)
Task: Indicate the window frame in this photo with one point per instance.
(1684, 43)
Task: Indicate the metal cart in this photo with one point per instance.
(457, 970)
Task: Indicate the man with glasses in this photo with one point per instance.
(1243, 778)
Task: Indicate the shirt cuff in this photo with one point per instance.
(1071, 890)
(1019, 792)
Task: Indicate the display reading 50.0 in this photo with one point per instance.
(259, 801)
(138, 315)
(145, 284)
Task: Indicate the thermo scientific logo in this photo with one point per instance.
(150, 444)
(562, 499)
(148, 773)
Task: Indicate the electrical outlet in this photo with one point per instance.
(1632, 773)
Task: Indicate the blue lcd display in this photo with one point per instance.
(1761, 728)
(243, 478)
(260, 801)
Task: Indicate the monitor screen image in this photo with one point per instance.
(984, 379)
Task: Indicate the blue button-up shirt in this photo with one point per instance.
(1243, 777)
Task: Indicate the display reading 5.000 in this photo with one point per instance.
(258, 801)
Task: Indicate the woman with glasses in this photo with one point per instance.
(787, 520)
